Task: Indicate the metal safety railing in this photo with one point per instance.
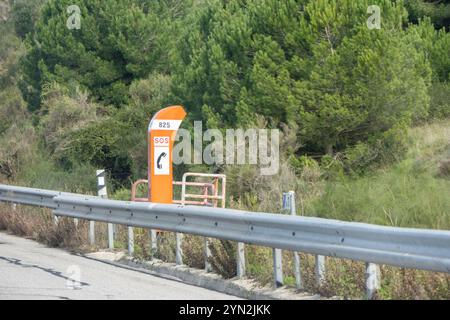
(209, 196)
(373, 244)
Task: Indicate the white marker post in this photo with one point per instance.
(102, 192)
(289, 205)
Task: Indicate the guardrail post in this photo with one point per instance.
(208, 267)
(179, 249)
(289, 205)
(110, 236)
(92, 232)
(278, 267)
(153, 242)
(240, 260)
(130, 241)
(320, 270)
(373, 280)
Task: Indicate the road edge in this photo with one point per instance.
(242, 288)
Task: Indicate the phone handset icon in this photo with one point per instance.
(158, 162)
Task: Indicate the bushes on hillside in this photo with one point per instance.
(348, 92)
(118, 42)
(17, 146)
(64, 114)
(314, 64)
(440, 100)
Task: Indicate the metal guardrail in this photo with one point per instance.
(401, 247)
(33, 197)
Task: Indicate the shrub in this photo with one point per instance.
(440, 102)
(378, 152)
(17, 146)
(64, 113)
(444, 168)
(12, 109)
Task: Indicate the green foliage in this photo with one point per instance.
(349, 97)
(12, 109)
(406, 194)
(17, 146)
(438, 11)
(122, 194)
(378, 152)
(100, 144)
(440, 101)
(41, 172)
(64, 114)
(11, 49)
(310, 63)
(301, 163)
(441, 57)
(435, 45)
(117, 43)
(399, 197)
(24, 14)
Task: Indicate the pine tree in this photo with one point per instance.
(312, 64)
(118, 41)
(437, 10)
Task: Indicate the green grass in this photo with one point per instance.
(408, 194)
(43, 173)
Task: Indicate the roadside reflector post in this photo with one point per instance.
(289, 206)
(162, 131)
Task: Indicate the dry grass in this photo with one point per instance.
(38, 224)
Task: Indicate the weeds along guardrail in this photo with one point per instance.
(401, 247)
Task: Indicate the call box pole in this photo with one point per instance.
(162, 131)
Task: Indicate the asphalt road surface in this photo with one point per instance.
(29, 270)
